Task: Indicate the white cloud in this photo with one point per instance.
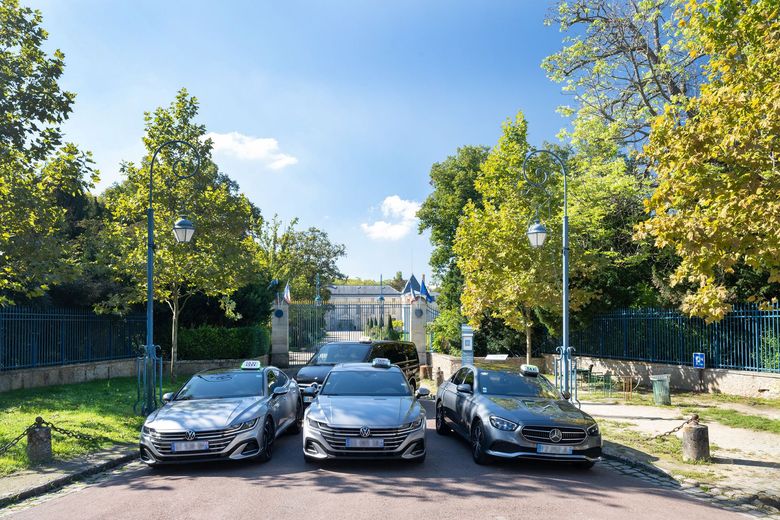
(262, 149)
(401, 217)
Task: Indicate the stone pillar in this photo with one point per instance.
(417, 329)
(280, 336)
(39, 444)
(695, 442)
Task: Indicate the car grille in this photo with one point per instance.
(218, 440)
(542, 434)
(337, 437)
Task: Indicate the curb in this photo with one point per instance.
(67, 479)
(637, 463)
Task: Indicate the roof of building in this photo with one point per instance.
(412, 286)
(361, 290)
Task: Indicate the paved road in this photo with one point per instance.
(447, 486)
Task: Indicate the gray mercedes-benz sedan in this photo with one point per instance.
(365, 410)
(509, 412)
(228, 414)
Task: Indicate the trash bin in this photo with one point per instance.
(661, 395)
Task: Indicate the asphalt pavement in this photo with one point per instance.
(448, 485)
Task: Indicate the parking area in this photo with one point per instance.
(448, 485)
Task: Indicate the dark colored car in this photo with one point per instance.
(400, 353)
(514, 413)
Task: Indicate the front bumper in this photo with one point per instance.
(316, 446)
(513, 445)
(243, 445)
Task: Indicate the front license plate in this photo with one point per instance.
(354, 442)
(178, 447)
(308, 399)
(554, 450)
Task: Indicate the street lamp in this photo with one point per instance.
(183, 230)
(537, 234)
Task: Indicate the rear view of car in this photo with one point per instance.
(365, 410)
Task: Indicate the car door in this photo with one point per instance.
(463, 401)
(289, 403)
(275, 403)
(450, 395)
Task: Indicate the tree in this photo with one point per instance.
(35, 167)
(218, 261)
(398, 281)
(298, 257)
(624, 63)
(716, 155)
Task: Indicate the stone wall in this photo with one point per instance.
(82, 372)
(686, 378)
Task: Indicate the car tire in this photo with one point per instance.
(267, 448)
(297, 425)
(477, 440)
(441, 425)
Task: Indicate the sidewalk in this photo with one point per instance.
(25, 484)
(744, 465)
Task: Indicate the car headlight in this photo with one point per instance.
(416, 424)
(147, 431)
(315, 424)
(247, 425)
(593, 430)
(502, 424)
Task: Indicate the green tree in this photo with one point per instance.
(398, 281)
(716, 155)
(218, 261)
(36, 169)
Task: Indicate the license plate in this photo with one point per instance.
(554, 450)
(178, 447)
(307, 399)
(354, 442)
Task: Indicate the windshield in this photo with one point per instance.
(370, 383)
(334, 353)
(215, 386)
(517, 385)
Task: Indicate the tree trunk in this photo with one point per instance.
(174, 336)
(529, 330)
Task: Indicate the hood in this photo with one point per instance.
(203, 414)
(313, 374)
(375, 412)
(541, 411)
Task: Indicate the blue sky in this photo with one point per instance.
(332, 112)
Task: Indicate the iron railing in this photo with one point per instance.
(748, 338)
(31, 337)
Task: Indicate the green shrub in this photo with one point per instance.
(210, 342)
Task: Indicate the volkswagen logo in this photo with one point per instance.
(189, 435)
(556, 435)
(365, 431)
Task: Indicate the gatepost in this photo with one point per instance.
(280, 336)
(467, 344)
(418, 333)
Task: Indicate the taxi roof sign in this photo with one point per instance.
(381, 362)
(251, 364)
(529, 370)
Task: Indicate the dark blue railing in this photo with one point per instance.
(748, 338)
(31, 337)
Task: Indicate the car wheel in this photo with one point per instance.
(478, 444)
(441, 426)
(296, 426)
(267, 448)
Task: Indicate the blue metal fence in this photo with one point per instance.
(31, 337)
(748, 338)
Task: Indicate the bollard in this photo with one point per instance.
(39, 443)
(695, 441)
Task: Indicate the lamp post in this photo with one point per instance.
(537, 234)
(183, 230)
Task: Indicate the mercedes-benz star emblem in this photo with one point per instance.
(556, 435)
(189, 435)
(365, 431)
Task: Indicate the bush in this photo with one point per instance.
(210, 342)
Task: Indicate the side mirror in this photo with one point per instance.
(422, 392)
(464, 388)
(310, 391)
(566, 394)
(279, 390)
(167, 397)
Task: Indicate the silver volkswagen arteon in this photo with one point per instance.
(228, 414)
(506, 412)
(365, 410)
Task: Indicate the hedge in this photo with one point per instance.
(210, 342)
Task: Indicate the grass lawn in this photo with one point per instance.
(735, 419)
(99, 408)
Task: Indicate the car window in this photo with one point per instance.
(493, 382)
(281, 379)
(411, 353)
(224, 385)
(459, 375)
(271, 381)
(395, 353)
(334, 353)
(469, 379)
(372, 383)
(380, 351)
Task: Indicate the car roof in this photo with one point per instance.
(368, 342)
(498, 366)
(231, 370)
(363, 367)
